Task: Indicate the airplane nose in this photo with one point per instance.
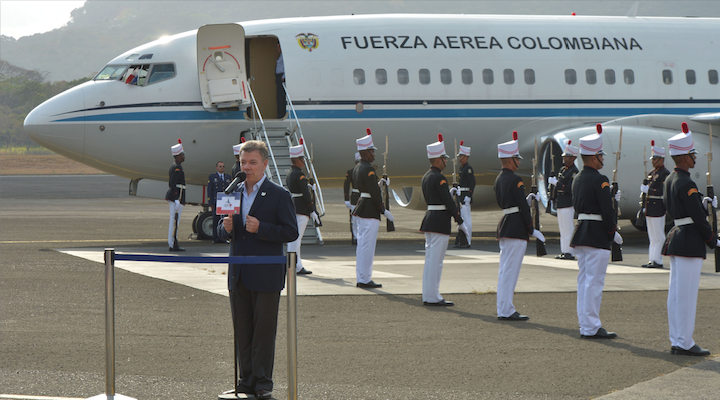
(58, 124)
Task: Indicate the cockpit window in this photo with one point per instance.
(161, 72)
(111, 72)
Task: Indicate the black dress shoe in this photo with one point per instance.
(441, 303)
(369, 285)
(219, 242)
(176, 249)
(693, 351)
(565, 256)
(600, 334)
(652, 264)
(516, 316)
(304, 272)
(263, 394)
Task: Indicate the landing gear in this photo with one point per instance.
(203, 225)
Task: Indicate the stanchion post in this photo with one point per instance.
(292, 325)
(110, 322)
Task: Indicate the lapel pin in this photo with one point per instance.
(262, 194)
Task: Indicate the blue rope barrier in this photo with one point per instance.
(203, 260)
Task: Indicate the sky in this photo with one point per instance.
(20, 18)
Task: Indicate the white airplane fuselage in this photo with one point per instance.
(471, 77)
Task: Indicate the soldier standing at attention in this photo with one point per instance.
(217, 182)
(367, 211)
(563, 199)
(175, 195)
(466, 181)
(595, 230)
(297, 184)
(655, 207)
(514, 229)
(685, 244)
(352, 194)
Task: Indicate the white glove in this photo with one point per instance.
(552, 180)
(315, 217)
(384, 181)
(537, 234)
(617, 239)
(463, 228)
(177, 203)
(644, 188)
(313, 187)
(348, 205)
(454, 191)
(718, 243)
(617, 196)
(712, 201)
(467, 200)
(532, 196)
(388, 215)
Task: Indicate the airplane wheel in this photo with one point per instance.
(203, 225)
(194, 228)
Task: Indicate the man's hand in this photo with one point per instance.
(388, 215)
(251, 224)
(552, 180)
(315, 217)
(177, 203)
(467, 200)
(712, 201)
(348, 205)
(538, 235)
(644, 189)
(228, 223)
(454, 191)
(532, 196)
(618, 239)
(463, 228)
(617, 196)
(384, 181)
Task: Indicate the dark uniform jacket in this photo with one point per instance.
(216, 185)
(565, 177)
(436, 192)
(682, 199)
(466, 179)
(235, 169)
(177, 178)
(366, 181)
(510, 192)
(591, 195)
(297, 183)
(348, 185)
(655, 207)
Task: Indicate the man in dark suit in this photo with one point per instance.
(267, 220)
(217, 182)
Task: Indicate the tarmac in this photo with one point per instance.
(174, 335)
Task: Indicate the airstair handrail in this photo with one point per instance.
(267, 140)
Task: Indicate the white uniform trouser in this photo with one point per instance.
(354, 225)
(512, 252)
(467, 218)
(682, 299)
(656, 234)
(365, 252)
(565, 217)
(302, 221)
(171, 228)
(592, 263)
(435, 247)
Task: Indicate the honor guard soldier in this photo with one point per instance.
(217, 182)
(436, 224)
(594, 232)
(236, 152)
(299, 189)
(352, 194)
(466, 182)
(654, 206)
(367, 211)
(175, 195)
(514, 229)
(563, 199)
(685, 244)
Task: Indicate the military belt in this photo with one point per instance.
(365, 195)
(180, 186)
(655, 197)
(296, 194)
(464, 189)
(436, 207)
(684, 221)
(511, 210)
(589, 217)
(355, 191)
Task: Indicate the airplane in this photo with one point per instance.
(475, 78)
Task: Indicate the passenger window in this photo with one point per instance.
(424, 76)
(713, 77)
(610, 76)
(403, 76)
(590, 76)
(509, 76)
(690, 76)
(629, 76)
(380, 76)
(570, 76)
(161, 72)
(530, 76)
(359, 76)
(488, 77)
(467, 76)
(445, 76)
(667, 76)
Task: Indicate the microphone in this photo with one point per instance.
(239, 178)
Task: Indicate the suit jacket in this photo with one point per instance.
(436, 192)
(274, 208)
(591, 195)
(510, 192)
(216, 185)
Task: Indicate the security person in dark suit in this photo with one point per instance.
(466, 183)
(217, 183)
(175, 195)
(267, 220)
(368, 210)
(685, 244)
(563, 199)
(514, 229)
(436, 224)
(351, 194)
(299, 189)
(655, 207)
(594, 232)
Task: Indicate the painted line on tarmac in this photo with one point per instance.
(78, 241)
(22, 397)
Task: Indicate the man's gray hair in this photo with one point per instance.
(255, 145)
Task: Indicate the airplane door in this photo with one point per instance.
(668, 81)
(221, 71)
(263, 56)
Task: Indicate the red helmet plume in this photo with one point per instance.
(462, 142)
(301, 141)
(569, 141)
(440, 137)
(599, 128)
(652, 143)
(685, 127)
(179, 141)
(242, 140)
(369, 132)
(515, 135)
